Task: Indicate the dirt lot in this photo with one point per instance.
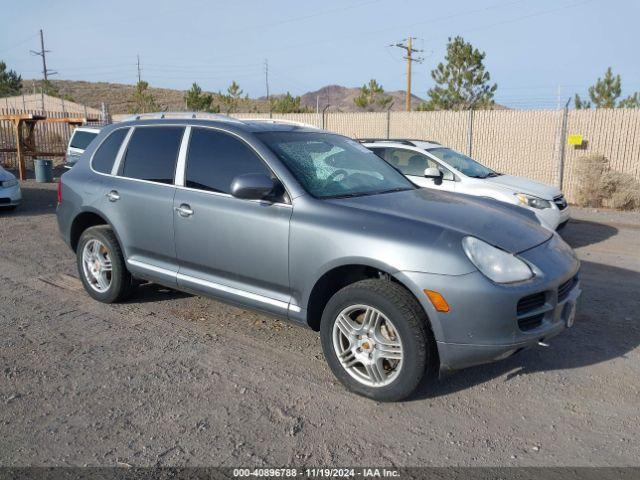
(174, 379)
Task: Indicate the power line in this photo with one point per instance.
(21, 42)
(410, 59)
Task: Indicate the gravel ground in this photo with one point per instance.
(174, 379)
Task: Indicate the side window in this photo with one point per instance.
(152, 153)
(108, 150)
(215, 158)
(408, 162)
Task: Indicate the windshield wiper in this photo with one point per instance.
(398, 189)
(365, 194)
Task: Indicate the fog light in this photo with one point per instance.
(438, 301)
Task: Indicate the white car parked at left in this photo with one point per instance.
(431, 165)
(10, 194)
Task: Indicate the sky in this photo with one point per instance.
(539, 52)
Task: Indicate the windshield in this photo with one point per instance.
(332, 166)
(467, 165)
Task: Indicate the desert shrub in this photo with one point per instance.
(600, 185)
(590, 169)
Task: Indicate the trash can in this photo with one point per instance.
(44, 170)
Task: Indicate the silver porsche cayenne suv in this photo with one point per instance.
(312, 227)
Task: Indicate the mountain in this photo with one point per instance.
(118, 96)
(341, 98)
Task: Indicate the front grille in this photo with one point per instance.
(560, 202)
(530, 323)
(531, 302)
(565, 288)
(5, 200)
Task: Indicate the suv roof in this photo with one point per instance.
(404, 141)
(87, 128)
(246, 124)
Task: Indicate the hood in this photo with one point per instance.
(524, 185)
(509, 227)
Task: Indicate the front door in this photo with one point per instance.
(228, 247)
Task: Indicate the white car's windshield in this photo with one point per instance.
(332, 166)
(462, 163)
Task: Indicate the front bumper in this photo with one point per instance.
(553, 217)
(483, 324)
(10, 196)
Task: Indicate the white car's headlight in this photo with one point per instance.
(498, 265)
(9, 183)
(531, 201)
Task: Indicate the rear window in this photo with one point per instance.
(152, 153)
(108, 150)
(81, 139)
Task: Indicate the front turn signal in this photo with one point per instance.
(437, 300)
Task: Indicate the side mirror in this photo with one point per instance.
(432, 172)
(252, 186)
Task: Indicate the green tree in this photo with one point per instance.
(606, 90)
(198, 101)
(605, 93)
(581, 104)
(372, 95)
(143, 100)
(287, 104)
(10, 81)
(632, 101)
(462, 82)
(231, 100)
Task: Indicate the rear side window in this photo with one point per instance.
(214, 159)
(108, 150)
(81, 139)
(152, 153)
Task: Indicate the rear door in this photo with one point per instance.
(139, 201)
(228, 247)
(413, 163)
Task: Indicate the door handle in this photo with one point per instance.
(113, 196)
(184, 210)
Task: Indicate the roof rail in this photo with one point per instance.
(180, 115)
(404, 141)
(277, 120)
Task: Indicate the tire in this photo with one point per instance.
(412, 334)
(121, 284)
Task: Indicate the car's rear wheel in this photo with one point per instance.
(101, 265)
(376, 339)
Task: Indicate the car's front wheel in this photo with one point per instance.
(102, 267)
(376, 339)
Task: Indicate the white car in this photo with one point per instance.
(10, 194)
(431, 165)
(78, 143)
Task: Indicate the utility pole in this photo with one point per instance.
(43, 53)
(139, 75)
(266, 81)
(45, 71)
(408, 47)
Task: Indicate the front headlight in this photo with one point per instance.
(531, 201)
(9, 183)
(498, 265)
